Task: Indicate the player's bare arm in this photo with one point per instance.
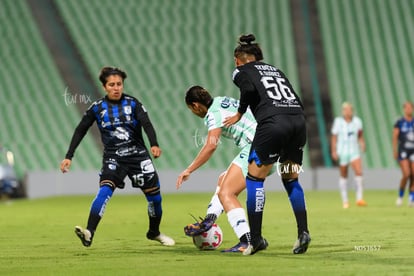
(361, 141)
(202, 157)
(334, 154)
(395, 133)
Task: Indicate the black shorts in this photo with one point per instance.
(139, 170)
(281, 137)
(404, 154)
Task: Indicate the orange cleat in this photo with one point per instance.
(361, 202)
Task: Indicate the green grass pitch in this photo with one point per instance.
(37, 238)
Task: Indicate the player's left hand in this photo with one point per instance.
(156, 151)
(228, 121)
(65, 165)
(181, 178)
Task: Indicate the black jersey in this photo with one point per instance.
(406, 134)
(266, 90)
(120, 123)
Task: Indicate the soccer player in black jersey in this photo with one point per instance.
(403, 149)
(120, 119)
(280, 135)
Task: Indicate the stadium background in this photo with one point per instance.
(332, 51)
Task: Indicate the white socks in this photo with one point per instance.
(215, 207)
(343, 189)
(237, 219)
(359, 188)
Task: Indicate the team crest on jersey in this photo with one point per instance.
(127, 109)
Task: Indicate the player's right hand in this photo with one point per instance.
(229, 121)
(65, 165)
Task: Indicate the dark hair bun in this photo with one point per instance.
(246, 39)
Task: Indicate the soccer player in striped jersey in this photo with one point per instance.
(120, 119)
(232, 182)
(347, 142)
(403, 149)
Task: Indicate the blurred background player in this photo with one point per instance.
(347, 143)
(120, 119)
(280, 135)
(403, 148)
(8, 178)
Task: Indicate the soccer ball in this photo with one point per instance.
(209, 240)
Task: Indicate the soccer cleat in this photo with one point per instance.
(411, 204)
(399, 202)
(302, 243)
(197, 228)
(84, 235)
(163, 239)
(345, 205)
(251, 249)
(361, 202)
(240, 247)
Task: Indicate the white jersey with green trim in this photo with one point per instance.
(242, 132)
(347, 134)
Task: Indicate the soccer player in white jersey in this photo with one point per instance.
(347, 143)
(232, 181)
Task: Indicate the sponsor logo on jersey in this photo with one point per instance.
(127, 109)
(121, 133)
(126, 151)
(147, 166)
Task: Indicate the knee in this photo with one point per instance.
(406, 176)
(106, 190)
(222, 194)
(289, 170)
(290, 184)
(108, 184)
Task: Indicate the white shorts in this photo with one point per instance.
(347, 158)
